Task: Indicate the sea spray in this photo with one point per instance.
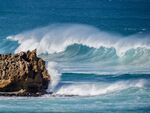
(54, 75)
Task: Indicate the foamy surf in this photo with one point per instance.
(95, 89)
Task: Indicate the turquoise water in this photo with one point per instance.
(134, 98)
(119, 103)
(97, 53)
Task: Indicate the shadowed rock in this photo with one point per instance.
(23, 74)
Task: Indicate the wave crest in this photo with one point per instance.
(56, 38)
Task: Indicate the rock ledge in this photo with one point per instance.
(23, 74)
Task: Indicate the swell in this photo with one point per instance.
(102, 55)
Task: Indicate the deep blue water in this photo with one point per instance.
(97, 53)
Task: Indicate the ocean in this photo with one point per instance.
(97, 53)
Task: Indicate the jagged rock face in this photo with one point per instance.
(23, 72)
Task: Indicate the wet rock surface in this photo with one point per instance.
(23, 74)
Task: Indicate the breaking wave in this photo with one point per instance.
(91, 89)
(82, 48)
(84, 42)
(57, 37)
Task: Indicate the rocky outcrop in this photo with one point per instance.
(23, 74)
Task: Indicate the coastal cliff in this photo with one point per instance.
(23, 74)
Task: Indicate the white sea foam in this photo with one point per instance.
(92, 89)
(56, 38)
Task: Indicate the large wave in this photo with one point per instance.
(83, 48)
(57, 37)
(99, 46)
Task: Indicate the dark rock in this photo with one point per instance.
(23, 74)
